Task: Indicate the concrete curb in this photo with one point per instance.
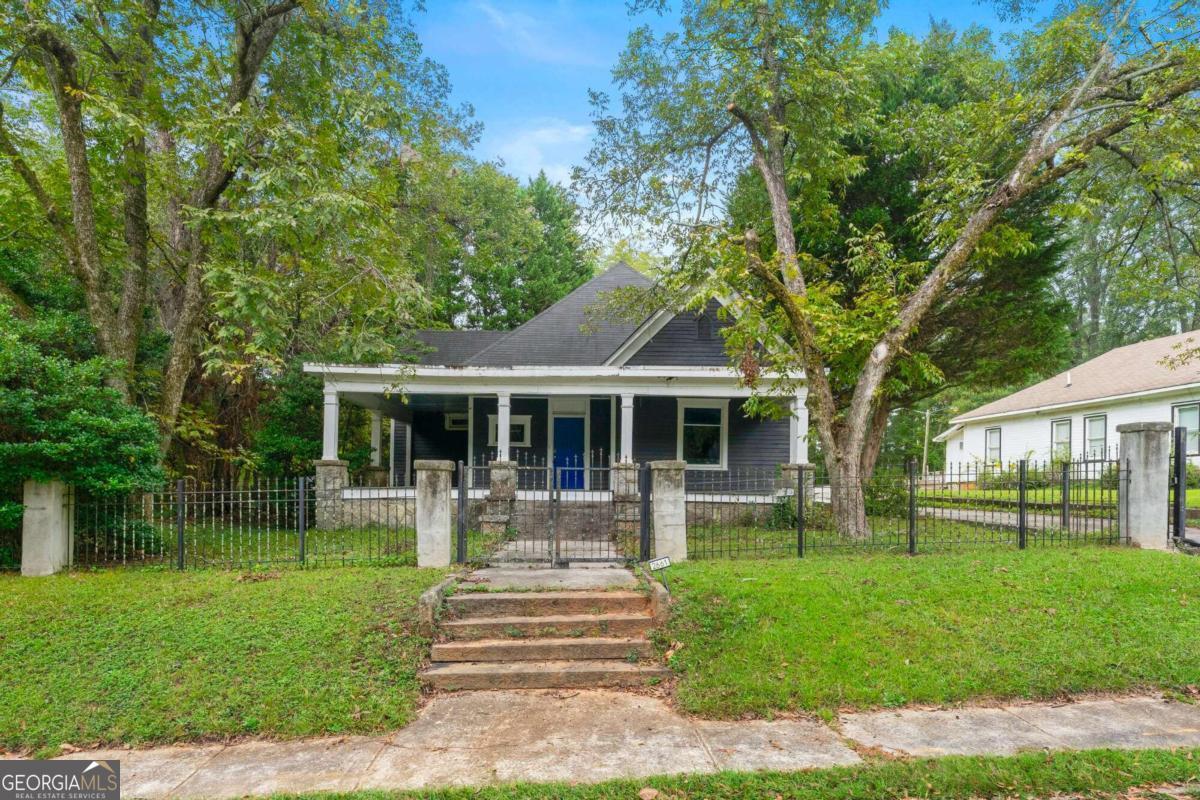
(430, 603)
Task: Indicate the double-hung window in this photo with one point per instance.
(703, 435)
(1188, 416)
(991, 445)
(1060, 439)
(1095, 432)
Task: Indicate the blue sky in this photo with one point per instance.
(526, 66)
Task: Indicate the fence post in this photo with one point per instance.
(1065, 501)
(912, 507)
(461, 522)
(644, 515)
(800, 510)
(670, 509)
(1146, 446)
(1022, 479)
(433, 512)
(1179, 504)
(302, 514)
(180, 516)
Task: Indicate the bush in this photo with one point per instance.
(886, 496)
(58, 420)
(783, 514)
(996, 478)
(1192, 480)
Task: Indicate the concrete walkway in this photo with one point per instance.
(480, 738)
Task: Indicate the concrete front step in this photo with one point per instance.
(541, 675)
(516, 627)
(473, 605)
(560, 649)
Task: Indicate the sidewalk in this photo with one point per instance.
(479, 738)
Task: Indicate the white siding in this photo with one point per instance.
(1028, 435)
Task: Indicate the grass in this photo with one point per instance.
(1050, 494)
(227, 545)
(934, 534)
(151, 656)
(1093, 774)
(868, 631)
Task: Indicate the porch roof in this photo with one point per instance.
(679, 381)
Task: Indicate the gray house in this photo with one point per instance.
(552, 393)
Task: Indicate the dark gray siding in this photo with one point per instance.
(535, 407)
(687, 340)
(400, 465)
(431, 439)
(752, 442)
(601, 430)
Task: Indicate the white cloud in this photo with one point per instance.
(550, 145)
(536, 37)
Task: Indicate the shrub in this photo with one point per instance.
(886, 496)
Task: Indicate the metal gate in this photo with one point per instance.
(1178, 493)
(557, 516)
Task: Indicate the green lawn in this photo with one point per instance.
(1093, 774)
(863, 631)
(140, 656)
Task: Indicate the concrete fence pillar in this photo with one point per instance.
(47, 528)
(790, 476)
(669, 509)
(433, 512)
(332, 476)
(1143, 496)
(626, 498)
(502, 496)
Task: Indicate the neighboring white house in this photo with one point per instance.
(1077, 412)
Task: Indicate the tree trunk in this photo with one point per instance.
(873, 443)
(847, 500)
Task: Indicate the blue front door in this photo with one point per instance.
(568, 451)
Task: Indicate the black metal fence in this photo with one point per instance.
(268, 522)
(750, 513)
(1184, 529)
(549, 515)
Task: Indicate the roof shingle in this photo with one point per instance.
(1125, 370)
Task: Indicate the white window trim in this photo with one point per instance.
(459, 424)
(999, 459)
(1054, 423)
(1175, 414)
(682, 403)
(1087, 439)
(524, 420)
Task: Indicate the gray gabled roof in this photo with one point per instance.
(552, 338)
(1134, 368)
(454, 348)
(555, 336)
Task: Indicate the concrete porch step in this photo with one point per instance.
(541, 675)
(559, 649)
(474, 605)
(554, 625)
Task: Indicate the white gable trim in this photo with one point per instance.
(638, 339)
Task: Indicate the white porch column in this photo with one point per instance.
(627, 428)
(503, 425)
(376, 439)
(798, 430)
(329, 438)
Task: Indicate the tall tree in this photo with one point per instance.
(778, 85)
(205, 157)
(999, 324)
(522, 251)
